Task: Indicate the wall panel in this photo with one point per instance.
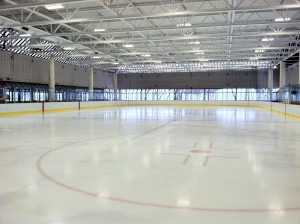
(292, 76)
(103, 80)
(231, 79)
(22, 68)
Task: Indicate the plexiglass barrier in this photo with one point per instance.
(198, 94)
(285, 95)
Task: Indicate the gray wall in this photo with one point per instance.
(22, 68)
(262, 78)
(103, 80)
(292, 75)
(197, 80)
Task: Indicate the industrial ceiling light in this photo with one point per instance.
(25, 35)
(54, 6)
(95, 57)
(184, 24)
(194, 42)
(99, 30)
(68, 48)
(128, 45)
(199, 53)
(146, 55)
(267, 39)
(281, 19)
(259, 51)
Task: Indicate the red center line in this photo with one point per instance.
(186, 159)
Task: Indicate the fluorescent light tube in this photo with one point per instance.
(128, 45)
(54, 6)
(99, 30)
(280, 19)
(184, 24)
(25, 35)
(267, 39)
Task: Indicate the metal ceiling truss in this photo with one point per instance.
(154, 36)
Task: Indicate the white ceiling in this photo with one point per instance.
(162, 35)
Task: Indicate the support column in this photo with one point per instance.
(282, 75)
(52, 81)
(270, 83)
(91, 84)
(115, 86)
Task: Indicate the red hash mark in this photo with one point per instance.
(194, 150)
(186, 159)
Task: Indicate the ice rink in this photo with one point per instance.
(150, 164)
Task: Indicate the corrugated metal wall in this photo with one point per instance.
(22, 68)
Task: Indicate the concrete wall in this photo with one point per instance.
(197, 80)
(22, 68)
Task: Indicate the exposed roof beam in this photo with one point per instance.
(157, 15)
(37, 31)
(213, 50)
(198, 37)
(159, 29)
(290, 55)
(50, 19)
(32, 5)
(49, 2)
(250, 52)
(224, 57)
(199, 47)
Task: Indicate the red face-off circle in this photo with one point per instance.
(140, 203)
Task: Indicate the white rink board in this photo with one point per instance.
(27, 107)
